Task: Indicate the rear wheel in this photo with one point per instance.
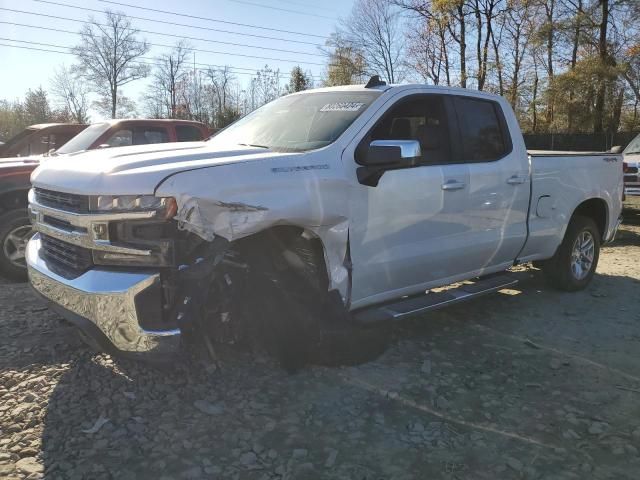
(575, 262)
(15, 232)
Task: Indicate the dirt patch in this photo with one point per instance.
(527, 383)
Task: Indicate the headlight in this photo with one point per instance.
(166, 206)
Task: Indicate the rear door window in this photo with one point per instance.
(146, 135)
(484, 138)
(188, 133)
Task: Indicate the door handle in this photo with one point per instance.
(517, 180)
(453, 185)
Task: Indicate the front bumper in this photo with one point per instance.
(102, 303)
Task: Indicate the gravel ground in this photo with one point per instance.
(528, 383)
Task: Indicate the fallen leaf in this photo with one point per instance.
(97, 426)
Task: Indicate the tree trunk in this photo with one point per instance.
(534, 102)
(516, 76)
(617, 112)
(550, 8)
(463, 46)
(496, 51)
(114, 100)
(445, 53)
(479, 45)
(574, 61)
(598, 119)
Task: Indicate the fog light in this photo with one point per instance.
(100, 231)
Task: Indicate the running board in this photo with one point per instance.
(434, 300)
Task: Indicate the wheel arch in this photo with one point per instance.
(283, 237)
(12, 199)
(597, 210)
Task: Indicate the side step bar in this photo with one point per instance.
(433, 300)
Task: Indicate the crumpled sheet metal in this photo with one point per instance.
(221, 202)
(208, 218)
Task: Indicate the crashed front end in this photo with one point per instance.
(114, 266)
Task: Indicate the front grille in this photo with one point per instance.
(69, 202)
(70, 257)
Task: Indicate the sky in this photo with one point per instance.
(300, 26)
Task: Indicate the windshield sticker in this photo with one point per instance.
(342, 107)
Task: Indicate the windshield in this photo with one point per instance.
(634, 146)
(84, 139)
(298, 122)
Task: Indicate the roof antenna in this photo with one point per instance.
(375, 81)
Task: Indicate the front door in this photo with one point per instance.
(409, 230)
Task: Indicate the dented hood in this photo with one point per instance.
(136, 170)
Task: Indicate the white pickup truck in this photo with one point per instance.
(325, 208)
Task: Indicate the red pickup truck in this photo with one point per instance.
(15, 226)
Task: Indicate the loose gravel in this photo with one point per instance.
(528, 383)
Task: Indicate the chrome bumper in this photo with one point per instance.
(103, 304)
(632, 190)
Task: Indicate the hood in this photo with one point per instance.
(139, 169)
(632, 157)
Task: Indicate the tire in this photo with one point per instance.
(567, 270)
(300, 322)
(15, 231)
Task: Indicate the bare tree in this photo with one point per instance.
(126, 107)
(605, 60)
(427, 52)
(346, 63)
(168, 76)
(107, 53)
(265, 86)
(72, 93)
(519, 30)
(453, 15)
(374, 25)
(485, 12)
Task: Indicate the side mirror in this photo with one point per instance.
(383, 155)
(616, 149)
(393, 153)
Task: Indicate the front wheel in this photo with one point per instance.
(15, 232)
(575, 262)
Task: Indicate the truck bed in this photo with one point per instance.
(560, 182)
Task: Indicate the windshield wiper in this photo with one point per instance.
(253, 145)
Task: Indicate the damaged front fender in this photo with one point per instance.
(210, 218)
(239, 200)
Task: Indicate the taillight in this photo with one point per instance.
(625, 167)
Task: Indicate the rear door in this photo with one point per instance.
(498, 191)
